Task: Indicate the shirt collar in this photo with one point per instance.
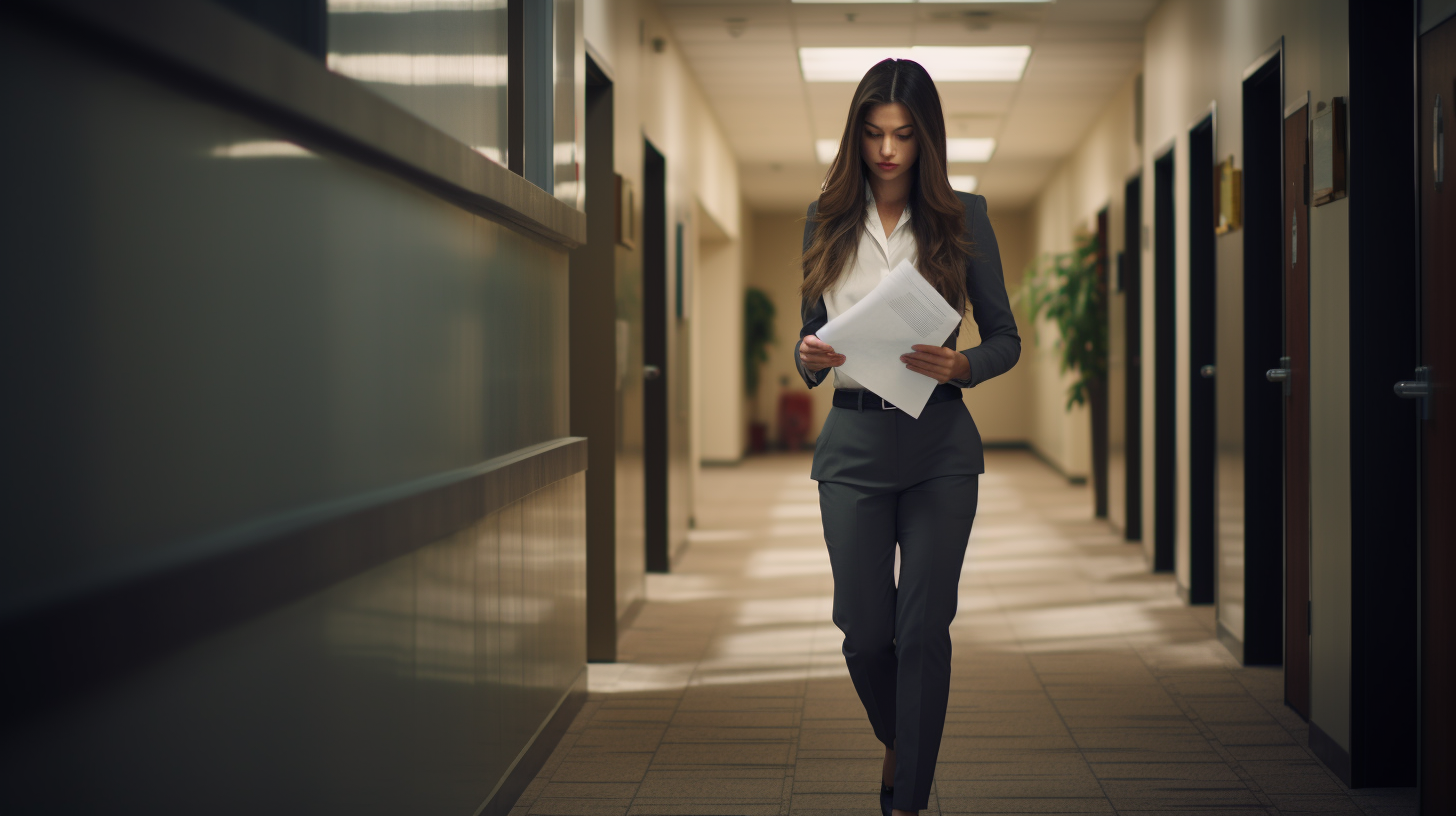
(872, 218)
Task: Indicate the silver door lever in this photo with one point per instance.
(1281, 375)
(1419, 388)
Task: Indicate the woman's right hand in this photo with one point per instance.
(816, 354)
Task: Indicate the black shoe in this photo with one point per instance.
(886, 794)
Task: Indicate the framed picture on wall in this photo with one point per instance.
(1327, 135)
(1228, 197)
(626, 216)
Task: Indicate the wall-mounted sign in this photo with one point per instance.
(626, 213)
(1228, 193)
(1327, 132)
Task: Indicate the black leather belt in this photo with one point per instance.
(866, 400)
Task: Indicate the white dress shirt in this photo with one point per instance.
(876, 256)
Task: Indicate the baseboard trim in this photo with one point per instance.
(533, 757)
(1336, 758)
(1075, 480)
(1230, 642)
(1186, 596)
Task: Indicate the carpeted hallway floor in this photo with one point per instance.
(1081, 683)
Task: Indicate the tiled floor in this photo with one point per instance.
(1081, 684)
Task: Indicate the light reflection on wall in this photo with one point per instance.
(262, 150)
(405, 6)
(481, 71)
(444, 61)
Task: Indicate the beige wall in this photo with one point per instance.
(718, 370)
(657, 96)
(1197, 51)
(1091, 179)
(777, 240)
(1002, 406)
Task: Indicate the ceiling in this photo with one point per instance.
(746, 59)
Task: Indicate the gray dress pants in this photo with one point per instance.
(885, 478)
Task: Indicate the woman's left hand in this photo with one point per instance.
(938, 363)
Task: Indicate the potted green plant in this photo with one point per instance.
(1070, 290)
(758, 317)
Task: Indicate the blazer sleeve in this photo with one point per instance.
(814, 315)
(1000, 346)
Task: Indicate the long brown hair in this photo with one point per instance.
(937, 215)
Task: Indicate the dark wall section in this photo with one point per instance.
(253, 360)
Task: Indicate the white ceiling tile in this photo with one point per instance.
(1083, 53)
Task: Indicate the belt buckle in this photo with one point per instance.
(885, 406)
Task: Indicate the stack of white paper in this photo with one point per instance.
(902, 311)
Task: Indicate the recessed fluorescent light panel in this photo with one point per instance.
(966, 184)
(826, 150)
(969, 150)
(946, 63)
(956, 150)
(846, 2)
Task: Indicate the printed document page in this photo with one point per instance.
(902, 311)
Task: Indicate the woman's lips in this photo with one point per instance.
(888, 166)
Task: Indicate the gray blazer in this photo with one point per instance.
(1000, 344)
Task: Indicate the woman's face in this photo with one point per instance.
(887, 141)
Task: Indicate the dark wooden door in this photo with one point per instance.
(1132, 277)
(1251, 583)
(1438, 443)
(1098, 395)
(654, 358)
(1165, 366)
(1296, 409)
(1202, 342)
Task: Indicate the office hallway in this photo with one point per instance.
(1081, 683)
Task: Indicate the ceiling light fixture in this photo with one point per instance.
(969, 150)
(946, 63)
(826, 150)
(956, 150)
(966, 184)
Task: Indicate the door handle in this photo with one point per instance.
(651, 372)
(1282, 374)
(1206, 372)
(1417, 389)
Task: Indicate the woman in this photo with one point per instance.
(885, 477)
